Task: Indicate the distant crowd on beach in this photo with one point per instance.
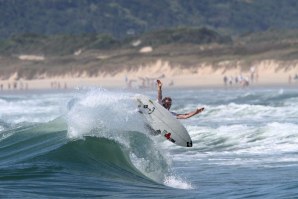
(14, 86)
(58, 85)
(295, 78)
(20, 85)
(144, 82)
(250, 79)
(240, 80)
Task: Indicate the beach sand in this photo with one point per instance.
(266, 73)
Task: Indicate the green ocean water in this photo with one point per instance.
(93, 143)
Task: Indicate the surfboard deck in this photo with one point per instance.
(162, 122)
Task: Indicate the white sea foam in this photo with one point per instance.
(100, 112)
(177, 182)
(30, 109)
(266, 144)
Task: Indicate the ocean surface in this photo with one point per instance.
(92, 143)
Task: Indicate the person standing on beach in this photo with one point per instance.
(167, 102)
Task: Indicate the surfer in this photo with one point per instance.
(167, 102)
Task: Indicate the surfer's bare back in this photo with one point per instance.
(167, 102)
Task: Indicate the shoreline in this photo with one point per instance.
(185, 81)
(174, 77)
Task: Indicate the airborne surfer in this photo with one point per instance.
(167, 102)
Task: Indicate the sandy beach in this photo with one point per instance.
(265, 73)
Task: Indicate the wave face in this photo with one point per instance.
(98, 139)
(94, 143)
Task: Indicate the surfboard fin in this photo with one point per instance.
(189, 144)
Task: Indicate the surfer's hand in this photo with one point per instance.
(200, 109)
(159, 84)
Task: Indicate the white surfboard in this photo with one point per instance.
(162, 122)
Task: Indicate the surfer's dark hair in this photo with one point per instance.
(165, 99)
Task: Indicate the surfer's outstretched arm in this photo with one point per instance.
(159, 91)
(190, 114)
